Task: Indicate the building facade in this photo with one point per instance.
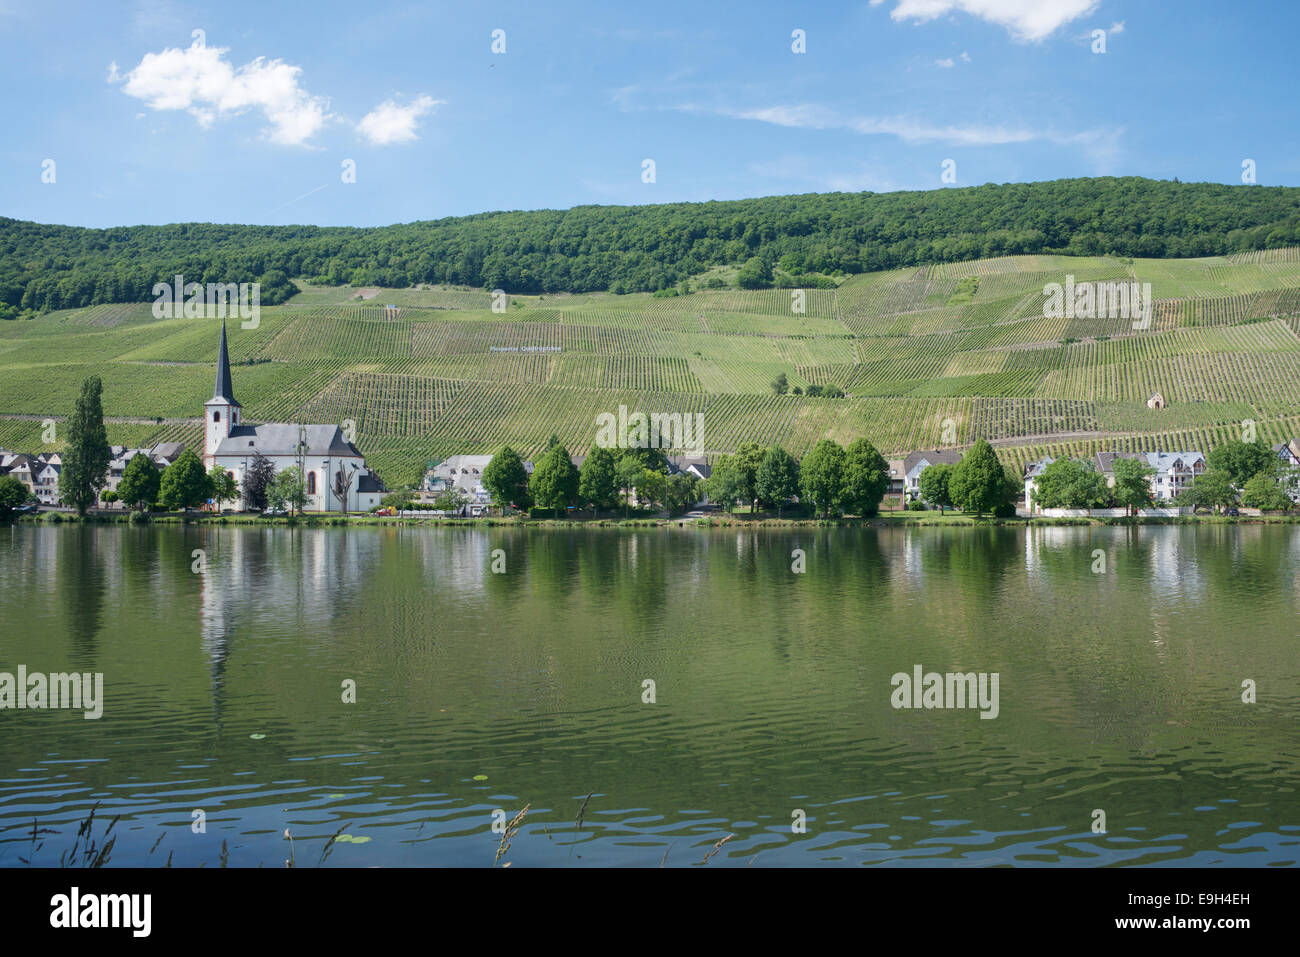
(334, 470)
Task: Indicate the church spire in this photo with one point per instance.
(224, 391)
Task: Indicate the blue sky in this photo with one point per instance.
(146, 125)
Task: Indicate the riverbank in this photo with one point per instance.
(906, 519)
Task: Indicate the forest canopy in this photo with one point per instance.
(650, 248)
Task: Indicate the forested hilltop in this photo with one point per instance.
(647, 248)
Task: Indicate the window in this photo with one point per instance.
(216, 416)
(311, 483)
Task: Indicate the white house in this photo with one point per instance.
(918, 462)
(322, 452)
(1174, 471)
(1032, 471)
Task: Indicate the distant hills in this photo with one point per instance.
(796, 240)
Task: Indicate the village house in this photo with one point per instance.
(1174, 471)
(162, 455)
(1157, 401)
(1288, 452)
(1032, 471)
(321, 451)
(464, 473)
(918, 462)
(896, 473)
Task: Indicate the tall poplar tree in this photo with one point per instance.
(85, 463)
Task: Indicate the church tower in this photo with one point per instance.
(221, 412)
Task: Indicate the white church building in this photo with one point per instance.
(320, 450)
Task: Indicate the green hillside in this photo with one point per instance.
(798, 239)
(927, 357)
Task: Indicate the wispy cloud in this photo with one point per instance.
(1100, 145)
(1023, 19)
(200, 81)
(391, 123)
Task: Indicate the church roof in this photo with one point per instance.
(281, 438)
(223, 391)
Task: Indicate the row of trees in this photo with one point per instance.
(1238, 472)
(648, 248)
(781, 385)
(1245, 473)
(606, 479)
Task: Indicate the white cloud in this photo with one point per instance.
(947, 64)
(391, 123)
(1100, 145)
(814, 116)
(1117, 27)
(965, 57)
(1025, 19)
(202, 82)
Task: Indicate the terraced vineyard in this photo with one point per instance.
(927, 358)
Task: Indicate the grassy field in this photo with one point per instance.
(928, 357)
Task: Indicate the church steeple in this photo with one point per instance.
(221, 412)
(224, 391)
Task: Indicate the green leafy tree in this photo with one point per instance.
(755, 274)
(1132, 484)
(1071, 483)
(777, 479)
(85, 463)
(780, 385)
(555, 481)
(13, 493)
(726, 483)
(1266, 493)
(682, 492)
(506, 479)
(933, 484)
(1213, 489)
(748, 457)
(184, 483)
(108, 496)
(821, 475)
(979, 483)
(141, 483)
(866, 477)
(287, 490)
(629, 472)
(451, 499)
(598, 479)
(223, 485)
(651, 458)
(1244, 460)
(652, 487)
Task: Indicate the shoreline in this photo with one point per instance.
(904, 520)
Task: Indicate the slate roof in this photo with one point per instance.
(281, 438)
(931, 457)
(223, 391)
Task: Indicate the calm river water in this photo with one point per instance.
(476, 693)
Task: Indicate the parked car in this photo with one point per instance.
(27, 510)
(696, 514)
(1232, 512)
(275, 512)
